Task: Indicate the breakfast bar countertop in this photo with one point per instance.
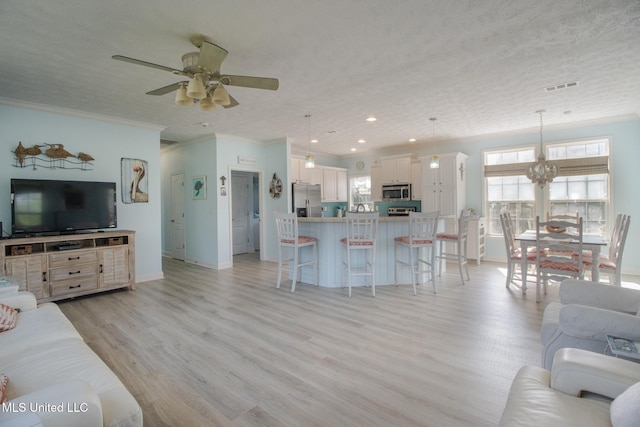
(338, 219)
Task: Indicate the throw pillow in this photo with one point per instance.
(7, 317)
(625, 409)
(3, 388)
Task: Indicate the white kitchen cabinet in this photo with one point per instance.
(443, 189)
(396, 170)
(301, 174)
(475, 239)
(376, 183)
(416, 181)
(342, 186)
(334, 185)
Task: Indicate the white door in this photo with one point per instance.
(240, 213)
(177, 216)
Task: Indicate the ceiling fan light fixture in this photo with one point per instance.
(182, 98)
(221, 96)
(207, 104)
(195, 88)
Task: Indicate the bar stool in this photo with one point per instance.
(362, 229)
(423, 228)
(459, 240)
(287, 226)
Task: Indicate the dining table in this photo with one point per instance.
(591, 242)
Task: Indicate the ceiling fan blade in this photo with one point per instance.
(149, 64)
(233, 102)
(166, 89)
(248, 81)
(211, 56)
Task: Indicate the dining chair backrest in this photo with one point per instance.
(361, 227)
(463, 223)
(571, 218)
(509, 234)
(423, 227)
(559, 252)
(287, 227)
(618, 238)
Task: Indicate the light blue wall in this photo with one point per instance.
(105, 140)
(208, 222)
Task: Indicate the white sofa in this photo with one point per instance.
(55, 379)
(586, 314)
(578, 391)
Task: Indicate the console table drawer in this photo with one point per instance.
(74, 257)
(74, 286)
(72, 272)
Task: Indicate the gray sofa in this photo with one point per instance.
(586, 314)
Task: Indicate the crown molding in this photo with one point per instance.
(80, 114)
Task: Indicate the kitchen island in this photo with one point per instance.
(329, 231)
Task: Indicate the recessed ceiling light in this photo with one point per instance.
(371, 119)
(412, 140)
(353, 149)
(314, 141)
(204, 124)
(361, 141)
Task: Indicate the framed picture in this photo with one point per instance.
(134, 181)
(199, 187)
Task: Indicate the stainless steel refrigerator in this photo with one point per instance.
(307, 200)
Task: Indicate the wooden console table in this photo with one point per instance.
(66, 266)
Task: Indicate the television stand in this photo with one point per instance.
(55, 268)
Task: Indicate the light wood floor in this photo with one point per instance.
(206, 347)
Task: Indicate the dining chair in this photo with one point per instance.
(423, 228)
(611, 263)
(459, 242)
(290, 241)
(514, 253)
(558, 252)
(566, 217)
(362, 229)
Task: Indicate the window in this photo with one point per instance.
(360, 191)
(582, 185)
(508, 189)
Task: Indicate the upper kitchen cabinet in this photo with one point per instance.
(443, 188)
(334, 185)
(376, 183)
(396, 170)
(416, 180)
(301, 174)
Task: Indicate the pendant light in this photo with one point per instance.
(434, 163)
(309, 160)
(542, 171)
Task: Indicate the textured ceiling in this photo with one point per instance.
(480, 67)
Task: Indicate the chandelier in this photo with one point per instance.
(542, 171)
(434, 163)
(309, 160)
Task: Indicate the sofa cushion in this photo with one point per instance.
(3, 387)
(48, 364)
(550, 321)
(532, 402)
(46, 324)
(625, 409)
(7, 317)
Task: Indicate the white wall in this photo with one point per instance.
(107, 140)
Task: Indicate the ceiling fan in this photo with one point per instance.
(205, 84)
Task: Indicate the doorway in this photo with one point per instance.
(177, 217)
(245, 212)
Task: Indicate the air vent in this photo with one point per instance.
(560, 86)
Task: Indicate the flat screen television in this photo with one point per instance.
(59, 207)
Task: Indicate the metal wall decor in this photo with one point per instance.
(53, 157)
(275, 187)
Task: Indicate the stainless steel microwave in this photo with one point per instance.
(396, 192)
